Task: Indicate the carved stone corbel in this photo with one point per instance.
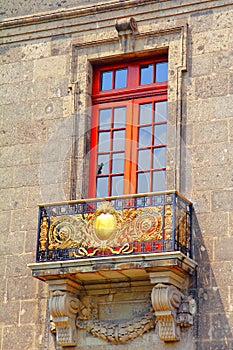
(63, 308)
(166, 300)
(126, 29)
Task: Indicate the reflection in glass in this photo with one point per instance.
(119, 117)
(118, 163)
(117, 185)
(160, 134)
(102, 187)
(161, 111)
(159, 157)
(161, 72)
(104, 142)
(144, 159)
(118, 140)
(106, 80)
(121, 78)
(145, 116)
(105, 119)
(146, 76)
(143, 183)
(144, 138)
(103, 164)
(159, 181)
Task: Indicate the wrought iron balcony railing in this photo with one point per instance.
(131, 224)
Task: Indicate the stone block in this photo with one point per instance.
(201, 65)
(208, 41)
(223, 248)
(230, 132)
(15, 72)
(38, 50)
(9, 313)
(48, 109)
(26, 176)
(17, 265)
(213, 132)
(9, 54)
(201, 201)
(7, 198)
(50, 67)
(24, 219)
(198, 111)
(222, 200)
(32, 131)
(14, 155)
(12, 242)
(23, 342)
(223, 271)
(201, 21)
(211, 85)
(219, 154)
(31, 243)
(212, 177)
(21, 288)
(221, 107)
(6, 175)
(25, 314)
(213, 224)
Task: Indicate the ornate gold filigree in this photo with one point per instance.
(43, 233)
(108, 230)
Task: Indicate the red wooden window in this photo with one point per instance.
(128, 136)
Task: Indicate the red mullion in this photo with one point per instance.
(93, 152)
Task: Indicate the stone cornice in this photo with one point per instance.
(45, 24)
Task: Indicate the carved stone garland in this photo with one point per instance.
(118, 333)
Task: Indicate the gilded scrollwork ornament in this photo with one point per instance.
(108, 230)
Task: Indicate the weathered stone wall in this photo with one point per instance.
(41, 58)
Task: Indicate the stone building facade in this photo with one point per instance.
(49, 50)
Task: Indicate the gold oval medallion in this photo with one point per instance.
(105, 225)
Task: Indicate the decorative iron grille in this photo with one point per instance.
(126, 225)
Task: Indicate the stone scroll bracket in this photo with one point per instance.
(64, 306)
(172, 308)
(126, 28)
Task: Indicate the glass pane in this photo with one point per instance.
(118, 140)
(144, 138)
(119, 117)
(104, 142)
(161, 111)
(161, 72)
(159, 181)
(160, 134)
(103, 164)
(117, 185)
(143, 183)
(105, 119)
(102, 187)
(146, 76)
(118, 163)
(159, 158)
(106, 80)
(144, 159)
(145, 116)
(121, 78)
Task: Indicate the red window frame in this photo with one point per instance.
(130, 96)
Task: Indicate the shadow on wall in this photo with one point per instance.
(212, 330)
